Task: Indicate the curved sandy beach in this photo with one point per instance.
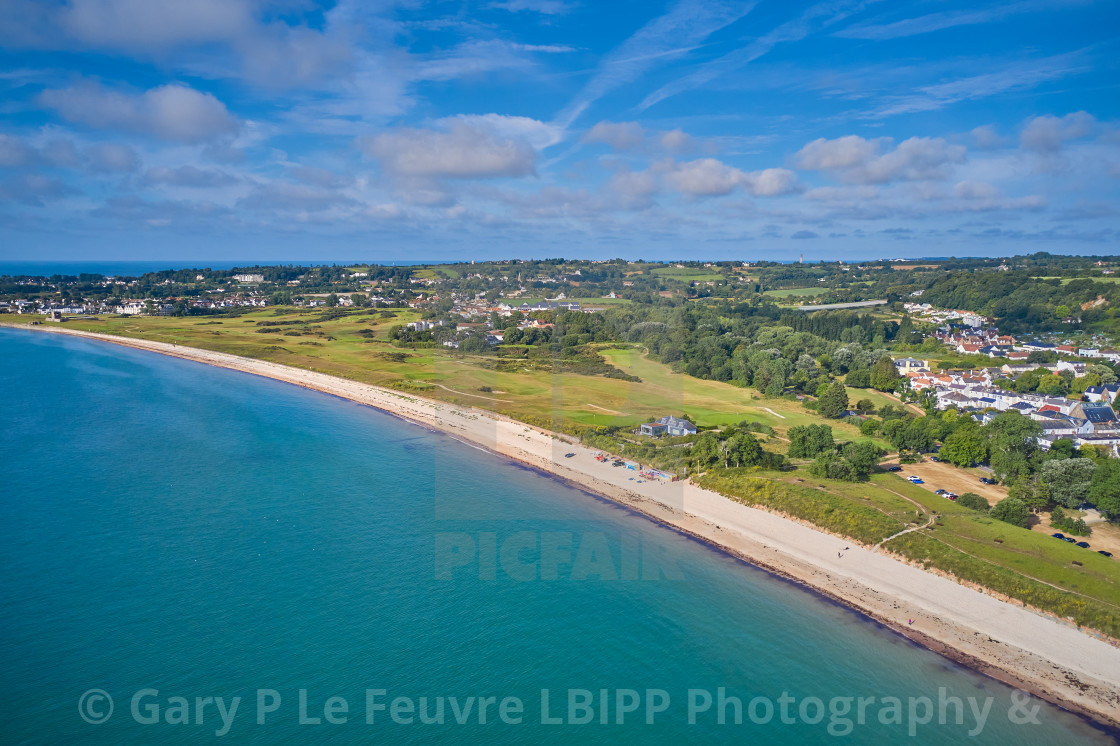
(1036, 652)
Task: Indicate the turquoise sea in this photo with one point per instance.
(177, 536)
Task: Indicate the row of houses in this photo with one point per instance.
(1091, 422)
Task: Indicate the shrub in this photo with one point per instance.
(973, 501)
(1012, 510)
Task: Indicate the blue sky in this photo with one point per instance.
(251, 129)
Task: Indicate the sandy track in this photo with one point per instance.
(1047, 656)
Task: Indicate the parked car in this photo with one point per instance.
(934, 458)
(894, 468)
(951, 495)
(1106, 554)
(568, 455)
(915, 480)
(986, 480)
(1070, 539)
(940, 492)
(1058, 536)
(1083, 544)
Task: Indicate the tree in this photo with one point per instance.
(1104, 490)
(1035, 495)
(859, 379)
(884, 374)
(1011, 443)
(1013, 511)
(834, 403)
(865, 406)
(869, 427)
(973, 501)
(965, 446)
(1063, 448)
(358, 300)
(1069, 480)
(807, 441)
(743, 450)
(863, 455)
(706, 451)
(332, 300)
(832, 466)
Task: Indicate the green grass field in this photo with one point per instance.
(687, 274)
(795, 292)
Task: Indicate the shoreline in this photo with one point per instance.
(1006, 641)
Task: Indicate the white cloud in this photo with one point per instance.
(618, 135)
(535, 132)
(169, 112)
(282, 196)
(633, 189)
(147, 25)
(860, 161)
(978, 190)
(843, 152)
(987, 138)
(772, 182)
(462, 151)
(15, 153)
(676, 141)
(112, 158)
(704, 177)
(1047, 133)
(545, 7)
(189, 176)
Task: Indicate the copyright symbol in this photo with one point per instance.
(95, 706)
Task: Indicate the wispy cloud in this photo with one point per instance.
(818, 16)
(948, 19)
(1013, 77)
(663, 39)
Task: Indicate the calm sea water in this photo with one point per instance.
(171, 527)
(136, 267)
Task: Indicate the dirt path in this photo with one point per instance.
(771, 411)
(928, 523)
(601, 409)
